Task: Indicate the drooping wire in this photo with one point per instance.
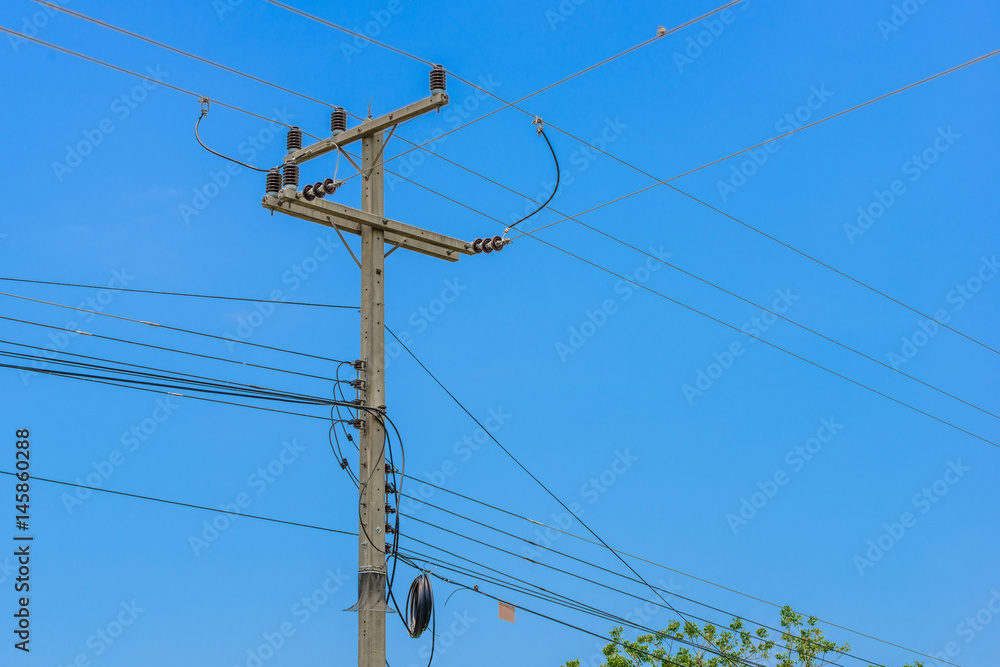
(197, 123)
(541, 131)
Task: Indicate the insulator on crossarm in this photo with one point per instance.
(439, 79)
(273, 182)
(338, 120)
(291, 175)
(294, 141)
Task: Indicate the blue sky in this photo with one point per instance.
(680, 440)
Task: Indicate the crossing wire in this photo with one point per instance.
(620, 241)
(710, 317)
(272, 120)
(666, 182)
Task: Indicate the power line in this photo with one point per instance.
(165, 349)
(630, 555)
(185, 294)
(666, 182)
(883, 364)
(171, 328)
(710, 317)
(588, 226)
(597, 583)
(532, 476)
(199, 383)
(180, 504)
(136, 74)
(120, 383)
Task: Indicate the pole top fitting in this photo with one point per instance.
(204, 101)
(539, 125)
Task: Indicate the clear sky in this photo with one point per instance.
(679, 439)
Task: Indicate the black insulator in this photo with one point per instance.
(318, 190)
(330, 186)
(294, 141)
(487, 245)
(273, 182)
(498, 243)
(477, 246)
(338, 120)
(307, 193)
(439, 79)
(291, 175)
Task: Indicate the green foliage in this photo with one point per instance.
(801, 644)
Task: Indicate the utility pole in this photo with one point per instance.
(376, 231)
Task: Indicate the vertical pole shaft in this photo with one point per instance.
(371, 556)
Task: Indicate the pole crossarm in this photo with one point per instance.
(351, 220)
(368, 128)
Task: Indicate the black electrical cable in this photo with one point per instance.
(419, 605)
(640, 558)
(166, 326)
(118, 383)
(588, 563)
(248, 391)
(185, 294)
(204, 112)
(555, 159)
(47, 359)
(175, 502)
(165, 349)
(475, 589)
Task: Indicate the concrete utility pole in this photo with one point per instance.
(375, 231)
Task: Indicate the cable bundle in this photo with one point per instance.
(419, 605)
